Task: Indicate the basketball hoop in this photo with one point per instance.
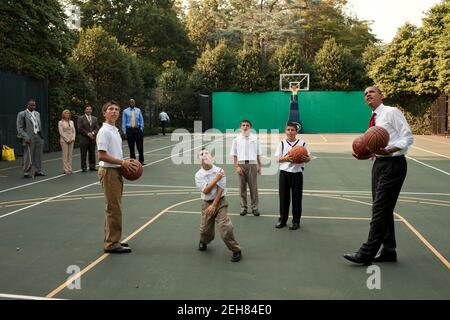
(294, 89)
(299, 80)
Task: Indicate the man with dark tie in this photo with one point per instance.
(29, 132)
(133, 128)
(388, 173)
(88, 128)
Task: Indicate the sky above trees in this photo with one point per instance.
(389, 15)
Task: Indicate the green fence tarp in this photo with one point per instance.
(15, 91)
(320, 111)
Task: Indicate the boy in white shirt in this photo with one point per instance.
(246, 153)
(291, 178)
(109, 145)
(211, 181)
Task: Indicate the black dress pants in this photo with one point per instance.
(87, 147)
(290, 183)
(136, 136)
(388, 175)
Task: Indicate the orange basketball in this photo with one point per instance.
(376, 137)
(130, 174)
(296, 152)
(359, 147)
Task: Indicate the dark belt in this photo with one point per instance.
(390, 158)
(211, 201)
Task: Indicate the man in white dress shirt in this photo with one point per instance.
(246, 153)
(388, 174)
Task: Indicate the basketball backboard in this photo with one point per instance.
(299, 80)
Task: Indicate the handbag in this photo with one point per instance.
(8, 153)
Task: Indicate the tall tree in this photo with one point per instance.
(251, 69)
(151, 28)
(204, 19)
(337, 69)
(392, 70)
(217, 68)
(321, 20)
(112, 68)
(34, 38)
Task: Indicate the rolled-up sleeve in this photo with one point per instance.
(404, 131)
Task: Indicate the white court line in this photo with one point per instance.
(22, 297)
(324, 139)
(89, 185)
(77, 171)
(427, 165)
(124, 145)
(435, 153)
(421, 137)
(276, 190)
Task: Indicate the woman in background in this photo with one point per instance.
(67, 139)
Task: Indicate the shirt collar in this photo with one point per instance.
(379, 109)
(110, 127)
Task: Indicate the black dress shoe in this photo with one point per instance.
(27, 176)
(84, 170)
(358, 258)
(236, 256)
(280, 225)
(40, 174)
(124, 244)
(202, 246)
(386, 257)
(243, 212)
(294, 226)
(93, 169)
(118, 250)
(255, 212)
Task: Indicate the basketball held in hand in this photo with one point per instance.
(359, 148)
(376, 137)
(296, 153)
(132, 173)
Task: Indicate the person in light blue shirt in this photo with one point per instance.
(133, 128)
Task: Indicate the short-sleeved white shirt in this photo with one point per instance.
(282, 150)
(246, 147)
(204, 177)
(109, 140)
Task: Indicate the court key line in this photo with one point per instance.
(427, 165)
(105, 255)
(435, 153)
(23, 297)
(87, 186)
(124, 145)
(306, 190)
(77, 171)
(168, 209)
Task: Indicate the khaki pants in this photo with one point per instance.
(112, 184)
(249, 176)
(67, 151)
(223, 222)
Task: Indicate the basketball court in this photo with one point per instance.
(51, 228)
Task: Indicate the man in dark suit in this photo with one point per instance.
(29, 132)
(88, 128)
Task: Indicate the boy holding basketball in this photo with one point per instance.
(291, 177)
(211, 181)
(109, 145)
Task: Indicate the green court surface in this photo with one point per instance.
(53, 225)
